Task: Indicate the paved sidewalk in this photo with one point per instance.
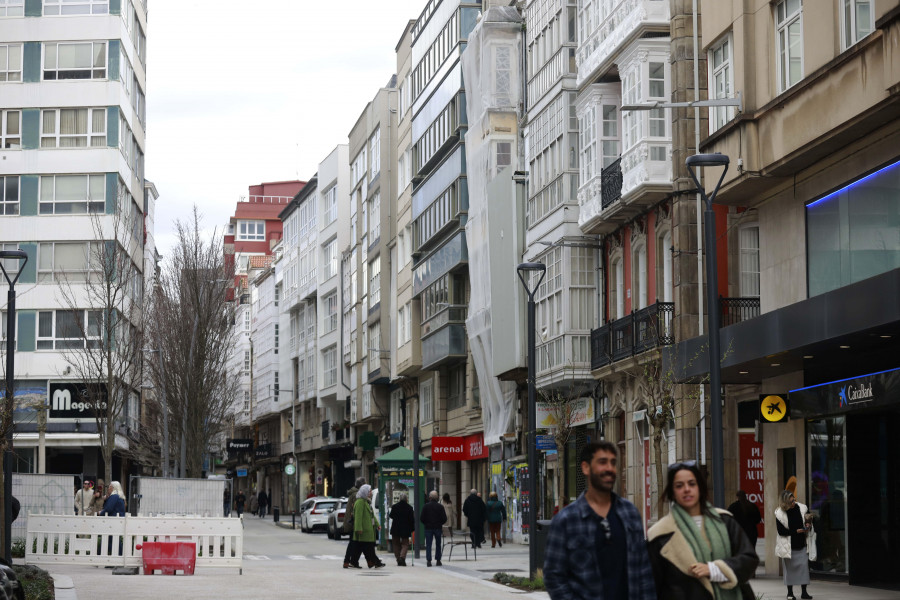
(283, 563)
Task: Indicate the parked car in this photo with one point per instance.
(314, 513)
(336, 520)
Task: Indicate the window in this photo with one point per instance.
(503, 74)
(375, 217)
(246, 401)
(639, 278)
(12, 8)
(246, 363)
(664, 267)
(610, 134)
(617, 290)
(329, 260)
(789, 35)
(9, 195)
(84, 60)
(246, 322)
(404, 324)
(375, 152)
(374, 282)
(588, 145)
(329, 361)
(10, 62)
(10, 129)
(11, 265)
(68, 329)
(375, 351)
(856, 21)
(396, 411)
(749, 260)
(329, 210)
(657, 91)
(330, 322)
(426, 402)
(71, 127)
(251, 231)
(720, 83)
(69, 261)
(76, 7)
(276, 342)
(502, 155)
(72, 194)
(456, 392)
(358, 167)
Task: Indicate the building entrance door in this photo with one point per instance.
(873, 498)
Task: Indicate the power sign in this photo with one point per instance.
(75, 401)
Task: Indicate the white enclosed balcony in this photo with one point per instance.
(606, 27)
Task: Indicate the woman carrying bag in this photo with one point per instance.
(365, 527)
(794, 533)
(699, 552)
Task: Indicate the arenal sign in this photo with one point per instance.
(846, 395)
(470, 447)
(70, 400)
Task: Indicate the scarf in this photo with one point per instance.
(714, 545)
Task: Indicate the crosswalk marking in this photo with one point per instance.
(256, 557)
(297, 557)
(327, 557)
(294, 557)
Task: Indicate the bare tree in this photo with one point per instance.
(99, 330)
(191, 325)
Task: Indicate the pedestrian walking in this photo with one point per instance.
(747, 515)
(403, 523)
(496, 514)
(794, 530)
(697, 551)
(351, 556)
(96, 504)
(239, 502)
(114, 507)
(262, 501)
(433, 518)
(450, 510)
(365, 528)
(475, 512)
(226, 502)
(596, 549)
(254, 503)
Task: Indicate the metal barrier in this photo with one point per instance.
(110, 541)
(46, 494)
(200, 497)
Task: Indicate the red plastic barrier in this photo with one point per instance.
(168, 557)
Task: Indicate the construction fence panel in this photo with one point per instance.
(198, 497)
(42, 494)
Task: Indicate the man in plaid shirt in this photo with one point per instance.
(596, 548)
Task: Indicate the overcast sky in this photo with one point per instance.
(240, 93)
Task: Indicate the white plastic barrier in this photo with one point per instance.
(98, 541)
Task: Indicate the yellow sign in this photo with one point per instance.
(773, 408)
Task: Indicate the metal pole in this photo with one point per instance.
(715, 377)
(9, 399)
(531, 444)
(417, 506)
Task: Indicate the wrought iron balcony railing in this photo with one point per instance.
(611, 183)
(735, 310)
(638, 332)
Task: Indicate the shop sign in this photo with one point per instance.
(242, 472)
(750, 470)
(847, 395)
(582, 413)
(546, 442)
(400, 472)
(73, 401)
(289, 469)
(470, 447)
(773, 408)
(263, 451)
(239, 445)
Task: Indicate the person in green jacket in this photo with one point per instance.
(496, 514)
(365, 527)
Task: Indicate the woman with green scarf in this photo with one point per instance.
(699, 552)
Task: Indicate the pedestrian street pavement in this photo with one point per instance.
(285, 563)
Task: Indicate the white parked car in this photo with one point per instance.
(314, 513)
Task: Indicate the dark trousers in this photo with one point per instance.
(367, 548)
(262, 510)
(351, 556)
(477, 534)
(433, 534)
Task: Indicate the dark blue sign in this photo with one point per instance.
(546, 442)
(242, 472)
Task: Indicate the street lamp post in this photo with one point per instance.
(9, 400)
(712, 312)
(524, 270)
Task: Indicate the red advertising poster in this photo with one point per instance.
(470, 447)
(646, 482)
(751, 473)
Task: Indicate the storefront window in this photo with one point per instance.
(828, 493)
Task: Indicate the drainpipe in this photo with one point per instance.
(702, 424)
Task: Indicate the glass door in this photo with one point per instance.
(827, 453)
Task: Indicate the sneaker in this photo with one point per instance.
(438, 563)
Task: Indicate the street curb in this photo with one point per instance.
(63, 587)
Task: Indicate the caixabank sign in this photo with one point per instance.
(74, 400)
(847, 395)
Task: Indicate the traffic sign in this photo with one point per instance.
(289, 469)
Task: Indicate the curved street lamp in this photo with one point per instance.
(524, 271)
(9, 401)
(712, 314)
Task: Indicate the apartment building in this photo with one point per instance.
(367, 269)
(72, 186)
(812, 192)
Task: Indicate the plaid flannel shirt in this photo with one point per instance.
(570, 565)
